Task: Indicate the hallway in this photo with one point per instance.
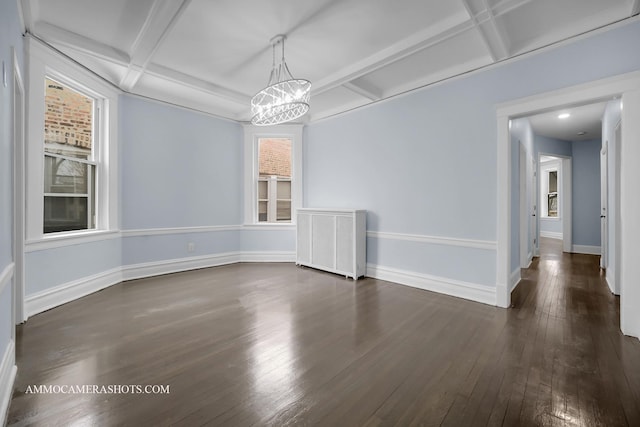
(273, 344)
(583, 369)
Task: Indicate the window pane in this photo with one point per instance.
(284, 190)
(262, 211)
(553, 181)
(68, 122)
(263, 192)
(284, 210)
(65, 176)
(274, 157)
(65, 214)
(553, 205)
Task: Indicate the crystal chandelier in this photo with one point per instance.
(285, 98)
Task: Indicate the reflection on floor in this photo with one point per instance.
(265, 344)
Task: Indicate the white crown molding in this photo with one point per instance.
(455, 288)
(8, 370)
(6, 275)
(437, 240)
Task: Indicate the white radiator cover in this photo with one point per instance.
(334, 240)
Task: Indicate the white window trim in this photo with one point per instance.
(43, 62)
(251, 136)
(545, 168)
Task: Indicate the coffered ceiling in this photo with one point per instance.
(213, 55)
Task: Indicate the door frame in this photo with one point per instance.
(604, 205)
(18, 136)
(615, 224)
(565, 201)
(626, 86)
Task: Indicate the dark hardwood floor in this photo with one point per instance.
(273, 344)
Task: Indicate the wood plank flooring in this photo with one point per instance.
(278, 345)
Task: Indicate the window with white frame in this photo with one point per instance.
(70, 158)
(549, 186)
(71, 155)
(273, 161)
(274, 180)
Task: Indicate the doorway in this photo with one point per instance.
(625, 86)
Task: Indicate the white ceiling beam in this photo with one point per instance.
(160, 20)
(499, 43)
(363, 89)
(431, 36)
(635, 8)
(477, 20)
(196, 83)
(507, 6)
(56, 35)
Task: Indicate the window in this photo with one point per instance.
(71, 155)
(549, 186)
(274, 180)
(552, 194)
(69, 158)
(273, 167)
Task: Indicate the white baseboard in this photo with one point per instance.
(456, 288)
(62, 294)
(514, 279)
(584, 249)
(551, 234)
(157, 268)
(267, 256)
(8, 370)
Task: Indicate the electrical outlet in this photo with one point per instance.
(191, 247)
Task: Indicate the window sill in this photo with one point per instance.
(551, 218)
(69, 238)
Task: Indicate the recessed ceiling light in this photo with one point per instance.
(564, 116)
(582, 133)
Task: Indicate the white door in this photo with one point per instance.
(603, 205)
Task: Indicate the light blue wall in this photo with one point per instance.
(546, 145)
(10, 36)
(553, 225)
(268, 240)
(425, 162)
(586, 192)
(5, 319)
(179, 168)
(152, 248)
(53, 267)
